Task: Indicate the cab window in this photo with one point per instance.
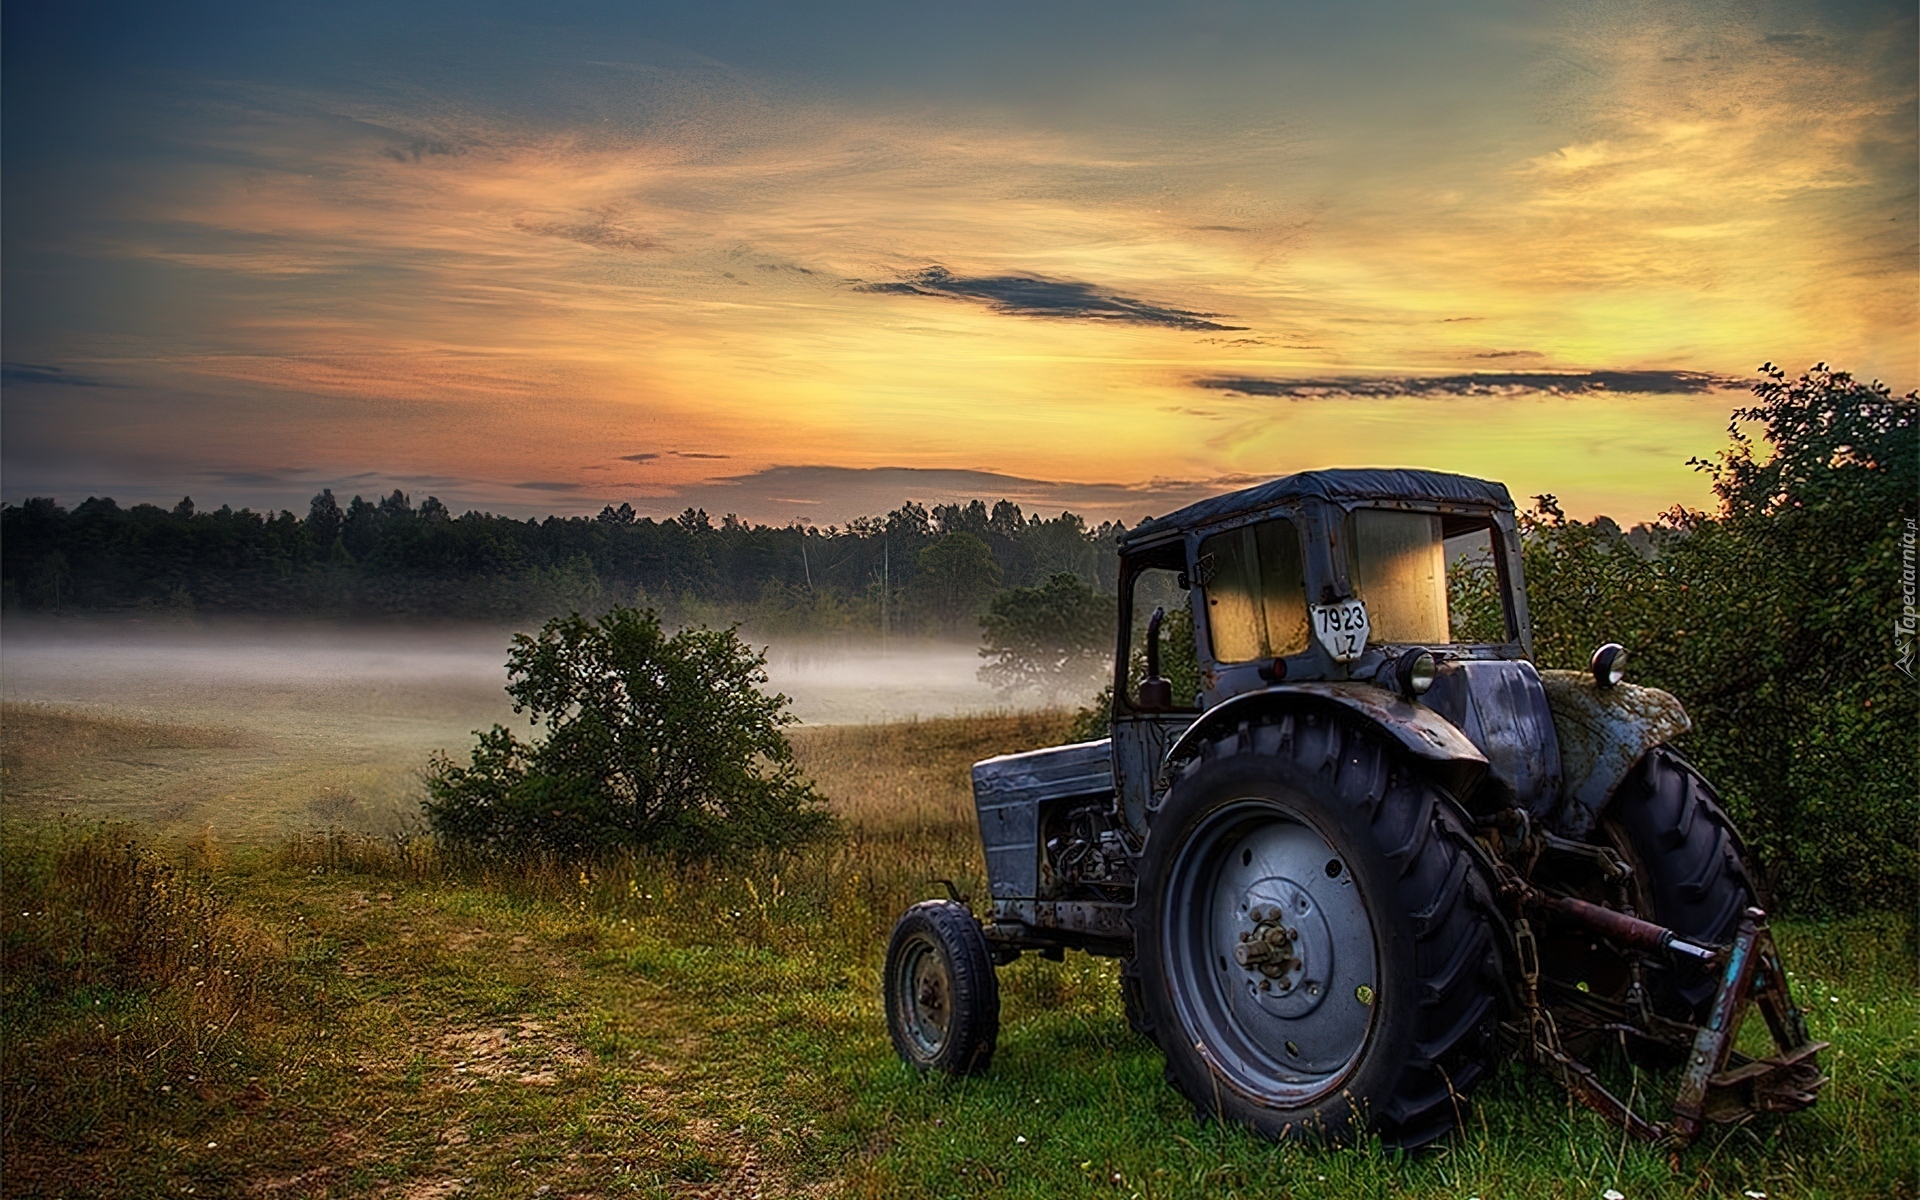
(1256, 592)
(1397, 565)
(1400, 562)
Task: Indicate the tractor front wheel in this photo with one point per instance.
(943, 1000)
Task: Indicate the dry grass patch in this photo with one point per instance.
(915, 775)
(42, 745)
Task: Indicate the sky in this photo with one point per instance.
(808, 262)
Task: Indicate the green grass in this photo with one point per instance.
(396, 1024)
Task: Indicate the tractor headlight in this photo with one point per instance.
(1609, 664)
(1414, 672)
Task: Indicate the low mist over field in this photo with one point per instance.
(252, 727)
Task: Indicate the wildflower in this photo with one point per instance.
(213, 1145)
(1020, 1140)
(1610, 1194)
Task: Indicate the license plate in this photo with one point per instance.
(1341, 628)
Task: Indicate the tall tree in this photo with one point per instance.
(324, 519)
(1055, 639)
(956, 576)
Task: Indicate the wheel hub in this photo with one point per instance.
(1270, 951)
(1284, 947)
(928, 1012)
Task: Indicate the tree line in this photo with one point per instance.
(915, 570)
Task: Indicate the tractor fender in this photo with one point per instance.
(1457, 763)
(1603, 732)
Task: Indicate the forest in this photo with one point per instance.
(915, 570)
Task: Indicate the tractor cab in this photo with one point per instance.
(1396, 579)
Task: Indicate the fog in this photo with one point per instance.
(245, 673)
(332, 723)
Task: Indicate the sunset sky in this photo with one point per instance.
(810, 261)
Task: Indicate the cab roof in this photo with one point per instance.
(1337, 485)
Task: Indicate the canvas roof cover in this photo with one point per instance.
(1337, 485)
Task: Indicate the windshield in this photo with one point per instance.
(1397, 564)
(1256, 592)
(1402, 563)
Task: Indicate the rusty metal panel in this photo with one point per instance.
(1602, 733)
(1008, 792)
(1093, 919)
(1502, 708)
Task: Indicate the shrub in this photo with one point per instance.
(1770, 620)
(651, 740)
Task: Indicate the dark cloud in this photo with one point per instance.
(638, 458)
(1033, 296)
(691, 454)
(548, 485)
(1510, 354)
(256, 478)
(19, 372)
(1478, 383)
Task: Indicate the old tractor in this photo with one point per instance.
(1374, 850)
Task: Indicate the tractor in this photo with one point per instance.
(1374, 851)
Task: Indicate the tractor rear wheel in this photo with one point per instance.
(1691, 871)
(1314, 946)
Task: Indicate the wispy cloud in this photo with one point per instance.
(1034, 296)
(497, 276)
(19, 372)
(1478, 383)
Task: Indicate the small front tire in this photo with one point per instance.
(943, 1000)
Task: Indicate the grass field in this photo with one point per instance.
(340, 1015)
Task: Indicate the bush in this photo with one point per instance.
(1770, 620)
(652, 740)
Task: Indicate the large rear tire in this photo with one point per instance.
(1314, 943)
(1692, 872)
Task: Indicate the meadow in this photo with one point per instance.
(200, 1002)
